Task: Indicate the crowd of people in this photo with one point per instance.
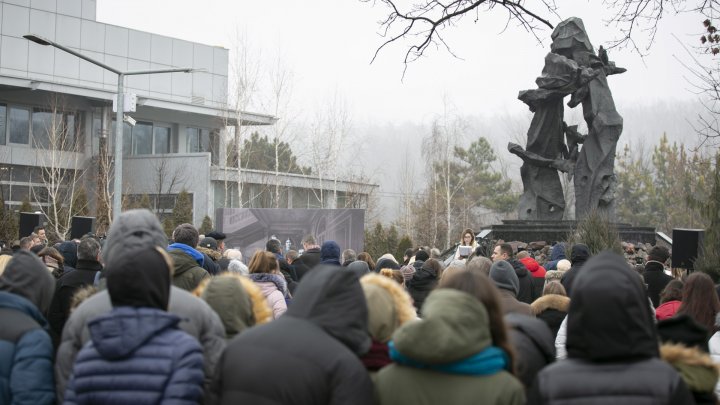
(137, 319)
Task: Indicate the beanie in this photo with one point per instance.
(503, 275)
(407, 272)
(421, 256)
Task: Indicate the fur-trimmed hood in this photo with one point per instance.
(389, 306)
(696, 367)
(550, 301)
(213, 254)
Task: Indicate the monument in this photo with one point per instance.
(572, 68)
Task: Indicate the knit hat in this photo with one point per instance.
(421, 256)
(210, 243)
(407, 272)
(503, 274)
(564, 265)
(553, 275)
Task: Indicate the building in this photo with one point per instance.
(56, 118)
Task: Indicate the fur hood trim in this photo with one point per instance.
(213, 254)
(550, 301)
(403, 303)
(261, 309)
(692, 356)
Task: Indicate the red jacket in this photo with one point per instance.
(535, 269)
(667, 310)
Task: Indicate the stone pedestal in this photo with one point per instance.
(553, 231)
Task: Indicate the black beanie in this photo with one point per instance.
(421, 256)
(140, 278)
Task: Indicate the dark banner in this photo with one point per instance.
(248, 229)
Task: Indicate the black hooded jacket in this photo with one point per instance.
(579, 255)
(306, 262)
(534, 345)
(525, 294)
(612, 345)
(307, 356)
(656, 280)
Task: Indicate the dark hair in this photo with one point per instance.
(700, 300)
(409, 253)
(187, 235)
(673, 291)
(273, 246)
(435, 265)
(479, 286)
(38, 228)
(659, 254)
(365, 256)
(88, 249)
(465, 232)
(263, 262)
(507, 249)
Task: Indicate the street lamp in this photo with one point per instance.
(117, 185)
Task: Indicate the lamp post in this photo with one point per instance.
(117, 184)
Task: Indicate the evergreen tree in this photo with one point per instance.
(183, 210)
(168, 227)
(392, 239)
(206, 226)
(709, 208)
(8, 224)
(404, 244)
(636, 201)
(145, 202)
(259, 153)
(25, 206)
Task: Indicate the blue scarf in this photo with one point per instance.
(489, 361)
(199, 258)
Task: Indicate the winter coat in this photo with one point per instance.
(667, 310)
(210, 260)
(309, 356)
(66, 287)
(150, 360)
(556, 254)
(197, 319)
(188, 275)
(274, 289)
(26, 350)
(714, 346)
(510, 304)
(612, 345)
(534, 346)
(525, 294)
(656, 280)
(552, 309)
(306, 262)
(237, 300)
(579, 255)
(422, 283)
(448, 358)
(696, 368)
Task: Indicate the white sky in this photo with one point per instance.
(329, 43)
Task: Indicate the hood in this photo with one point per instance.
(334, 301)
(25, 275)
(359, 267)
(503, 275)
(558, 252)
(533, 267)
(122, 331)
(213, 254)
(697, 369)
(386, 264)
(182, 262)
(455, 326)
(16, 302)
(133, 229)
(238, 301)
(535, 330)
(330, 253)
(277, 280)
(188, 250)
(389, 306)
(609, 317)
(579, 254)
(520, 269)
(68, 250)
(140, 278)
(550, 301)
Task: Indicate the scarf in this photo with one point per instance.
(489, 361)
(377, 357)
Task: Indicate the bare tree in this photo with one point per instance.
(167, 181)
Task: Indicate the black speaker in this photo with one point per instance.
(28, 222)
(81, 226)
(687, 246)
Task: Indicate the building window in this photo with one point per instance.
(142, 134)
(198, 140)
(162, 140)
(55, 131)
(3, 123)
(19, 125)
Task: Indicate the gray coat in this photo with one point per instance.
(198, 319)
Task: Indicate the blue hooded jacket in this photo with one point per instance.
(330, 253)
(556, 254)
(137, 356)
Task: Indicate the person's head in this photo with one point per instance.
(523, 254)
(35, 239)
(264, 262)
(308, 242)
(482, 288)
(435, 253)
(348, 255)
(564, 265)
(421, 256)
(481, 264)
(503, 251)
(133, 229)
(291, 255)
(209, 243)
(40, 232)
(389, 306)
(365, 256)
(273, 246)
(330, 252)
(187, 235)
(468, 237)
(89, 249)
(219, 237)
(140, 278)
(658, 254)
(673, 291)
(233, 254)
(238, 267)
(409, 253)
(700, 300)
(433, 266)
(26, 276)
(503, 275)
(395, 275)
(26, 243)
(554, 287)
(454, 267)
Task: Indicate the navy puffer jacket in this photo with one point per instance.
(137, 356)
